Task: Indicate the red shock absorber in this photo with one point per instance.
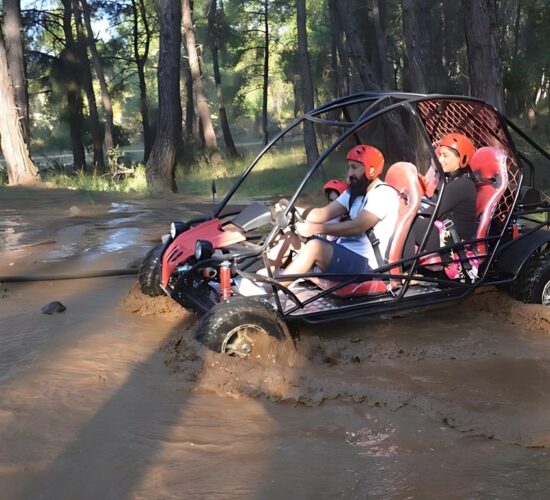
(225, 280)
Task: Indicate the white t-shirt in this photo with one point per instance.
(383, 202)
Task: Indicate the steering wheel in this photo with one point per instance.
(283, 220)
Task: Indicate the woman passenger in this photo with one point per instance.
(458, 203)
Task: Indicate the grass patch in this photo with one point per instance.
(277, 173)
(133, 180)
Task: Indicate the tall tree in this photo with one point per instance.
(416, 29)
(100, 73)
(86, 80)
(203, 108)
(140, 57)
(160, 167)
(13, 38)
(265, 84)
(387, 76)
(310, 140)
(217, 39)
(483, 57)
(21, 169)
(356, 50)
(69, 69)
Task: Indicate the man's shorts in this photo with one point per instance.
(346, 261)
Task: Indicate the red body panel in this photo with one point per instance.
(183, 246)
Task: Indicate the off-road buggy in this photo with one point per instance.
(204, 263)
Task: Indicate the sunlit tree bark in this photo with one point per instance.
(140, 57)
(310, 140)
(100, 73)
(85, 79)
(215, 41)
(203, 108)
(13, 39)
(160, 168)
(72, 84)
(21, 169)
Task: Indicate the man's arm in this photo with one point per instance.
(323, 214)
(364, 221)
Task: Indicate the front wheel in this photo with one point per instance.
(149, 272)
(242, 327)
(533, 283)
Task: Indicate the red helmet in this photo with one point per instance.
(336, 185)
(370, 157)
(461, 144)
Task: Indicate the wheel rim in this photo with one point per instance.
(546, 294)
(240, 341)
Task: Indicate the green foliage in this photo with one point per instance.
(278, 172)
(133, 180)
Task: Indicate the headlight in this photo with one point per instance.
(203, 249)
(176, 228)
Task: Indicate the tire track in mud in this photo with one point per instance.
(482, 367)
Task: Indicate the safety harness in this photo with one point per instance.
(375, 242)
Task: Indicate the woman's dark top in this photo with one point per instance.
(459, 204)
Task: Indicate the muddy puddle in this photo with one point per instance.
(114, 399)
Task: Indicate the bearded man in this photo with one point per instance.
(368, 204)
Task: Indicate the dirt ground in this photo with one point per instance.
(113, 398)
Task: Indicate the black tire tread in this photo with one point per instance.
(149, 272)
(528, 287)
(218, 321)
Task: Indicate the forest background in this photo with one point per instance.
(190, 84)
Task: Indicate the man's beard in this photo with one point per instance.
(358, 187)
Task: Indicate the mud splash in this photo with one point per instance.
(482, 367)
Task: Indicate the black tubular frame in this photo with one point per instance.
(363, 305)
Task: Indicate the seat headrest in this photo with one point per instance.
(489, 164)
(402, 175)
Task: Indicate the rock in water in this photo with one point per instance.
(53, 307)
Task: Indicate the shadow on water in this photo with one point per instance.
(114, 449)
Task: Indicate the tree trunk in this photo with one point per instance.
(87, 84)
(483, 58)
(416, 30)
(141, 60)
(13, 39)
(98, 66)
(74, 96)
(357, 52)
(310, 140)
(214, 38)
(340, 63)
(160, 168)
(387, 75)
(203, 108)
(191, 126)
(265, 86)
(21, 169)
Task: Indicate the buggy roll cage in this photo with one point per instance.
(429, 113)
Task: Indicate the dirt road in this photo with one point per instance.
(113, 399)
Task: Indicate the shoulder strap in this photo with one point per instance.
(375, 242)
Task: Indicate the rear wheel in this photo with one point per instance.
(533, 283)
(242, 327)
(149, 272)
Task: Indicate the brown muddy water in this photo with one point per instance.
(113, 399)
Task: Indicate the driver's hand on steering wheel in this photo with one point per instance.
(308, 229)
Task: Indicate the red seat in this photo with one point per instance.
(489, 168)
(403, 177)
